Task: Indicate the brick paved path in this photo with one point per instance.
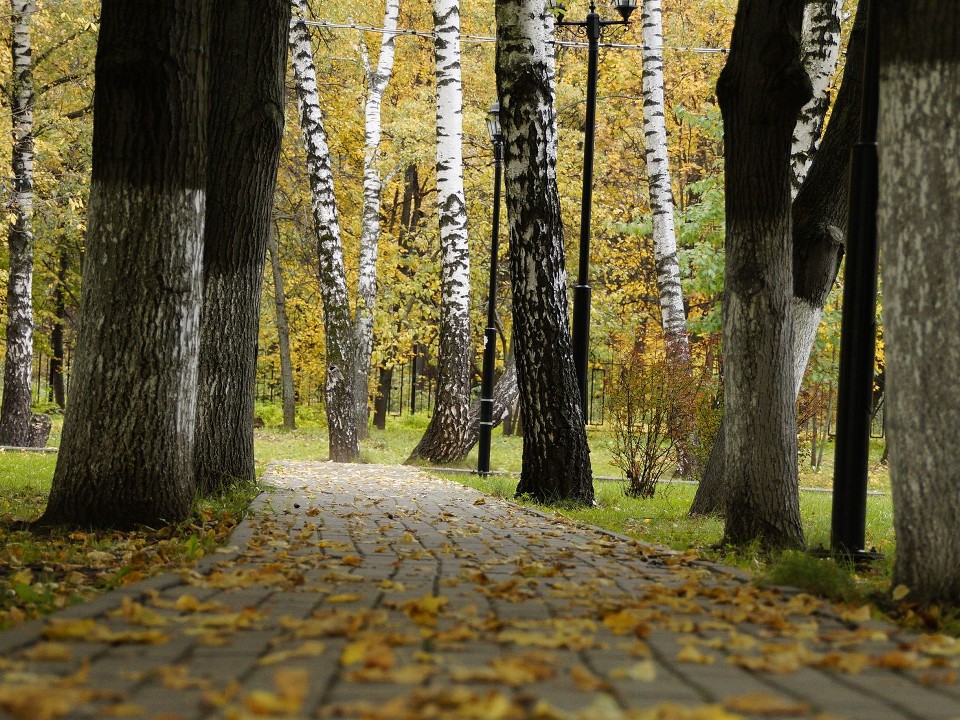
(381, 592)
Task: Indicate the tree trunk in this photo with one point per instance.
(56, 334)
(127, 447)
(283, 335)
(444, 436)
(505, 395)
(556, 458)
(820, 48)
(382, 402)
(760, 91)
(377, 81)
(18, 361)
(672, 315)
(248, 63)
(918, 223)
(819, 219)
(338, 324)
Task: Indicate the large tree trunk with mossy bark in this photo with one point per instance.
(819, 220)
(760, 92)
(248, 65)
(918, 225)
(556, 458)
(126, 453)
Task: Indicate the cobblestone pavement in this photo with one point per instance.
(381, 592)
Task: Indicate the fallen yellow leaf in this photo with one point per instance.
(760, 703)
(585, 680)
(900, 592)
(310, 648)
(690, 654)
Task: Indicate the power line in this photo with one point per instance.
(429, 35)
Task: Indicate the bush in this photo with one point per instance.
(661, 411)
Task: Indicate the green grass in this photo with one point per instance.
(661, 520)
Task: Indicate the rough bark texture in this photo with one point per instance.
(338, 323)
(283, 335)
(444, 436)
(505, 395)
(377, 80)
(819, 221)
(127, 447)
(919, 222)
(248, 64)
(760, 91)
(18, 360)
(556, 458)
(820, 48)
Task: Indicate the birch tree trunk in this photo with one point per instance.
(338, 324)
(248, 64)
(819, 48)
(918, 224)
(760, 91)
(126, 454)
(819, 220)
(18, 361)
(672, 315)
(377, 81)
(444, 436)
(556, 458)
(283, 335)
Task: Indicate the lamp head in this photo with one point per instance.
(625, 8)
(493, 123)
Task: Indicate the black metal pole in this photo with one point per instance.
(858, 325)
(581, 291)
(490, 334)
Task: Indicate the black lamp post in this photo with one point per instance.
(490, 334)
(593, 26)
(858, 328)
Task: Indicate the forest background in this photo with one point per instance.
(626, 316)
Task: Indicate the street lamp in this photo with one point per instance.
(858, 329)
(490, 334)
(593, 26)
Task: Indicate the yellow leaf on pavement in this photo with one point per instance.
(585, 680)
(310, 648)
(760, 703)
(425, 610)
(643, 671)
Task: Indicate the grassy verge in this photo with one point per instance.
(44, 570)
(41, 572)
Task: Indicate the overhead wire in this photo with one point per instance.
(429, 34)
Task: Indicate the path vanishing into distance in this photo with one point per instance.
(363, 591)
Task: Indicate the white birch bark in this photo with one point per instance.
(18, 362)
(338, 325)
(445, 434)
(672, 313)
(819, 48)
(919, 224)
(377, 81)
